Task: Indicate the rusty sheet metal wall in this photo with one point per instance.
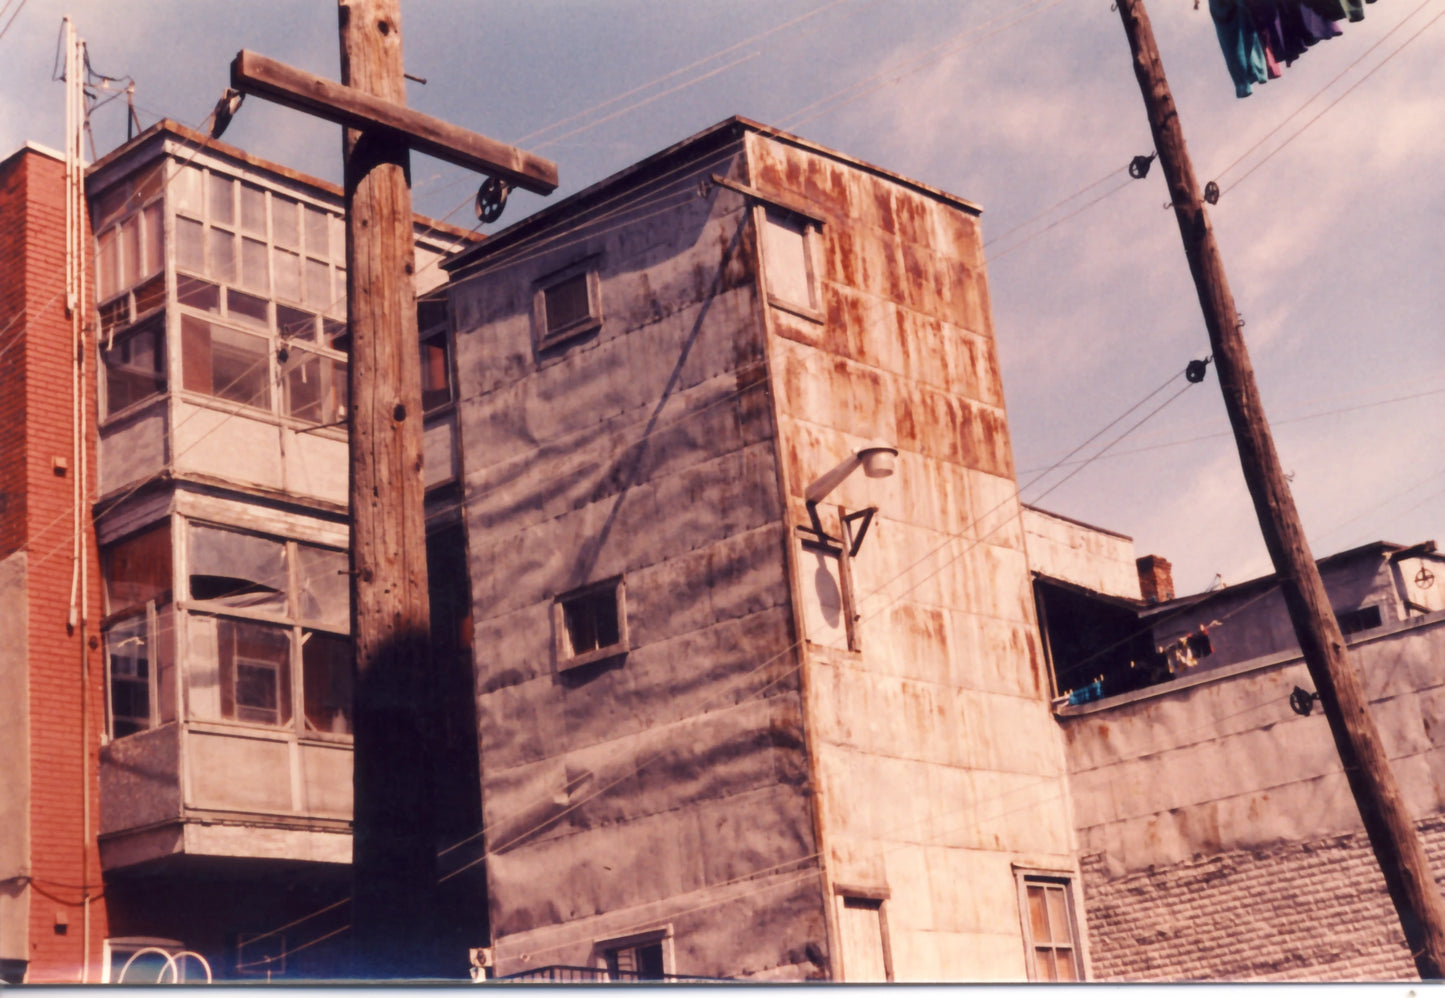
(938, 762)
(665, 790)
(1227, 765)
(1087, 556)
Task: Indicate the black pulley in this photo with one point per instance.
(492, 198)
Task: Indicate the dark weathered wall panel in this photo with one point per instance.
(646, 790)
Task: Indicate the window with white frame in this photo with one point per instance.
(134, 365)
(788, 264)
(1051, 938)
(129, 228)
(150, 961)
(140, 678)
(264, 623)
(254, 266)
(267, 623)
(591, 623)
(567, 304)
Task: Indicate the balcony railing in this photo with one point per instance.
(560, 974)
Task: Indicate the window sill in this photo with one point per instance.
(559, 337)
(596, 655)
(801, 311)
(131, 413)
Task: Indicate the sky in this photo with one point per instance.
(1331, 222)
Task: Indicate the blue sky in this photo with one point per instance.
(1333, 243)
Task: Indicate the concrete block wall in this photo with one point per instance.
(64, 677)
(1218, 835)
(1294, 911)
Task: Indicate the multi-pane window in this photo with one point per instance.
(268, 618)
(263, 624)
(134, 365)
(137, 631)
(129, 233)
(262, 266)
(643, 957)
(1050, 933)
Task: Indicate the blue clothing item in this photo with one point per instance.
(1241, 44)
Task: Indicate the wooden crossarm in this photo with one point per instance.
(275, 81)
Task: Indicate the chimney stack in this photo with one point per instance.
(1156, 582)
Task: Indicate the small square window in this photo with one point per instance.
(591, 624)
(568, 304)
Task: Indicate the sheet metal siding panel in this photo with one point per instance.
(639, 789)
(1074, 552)
(936, 748)
(1227, 765)
(15, 773)
(140, 779)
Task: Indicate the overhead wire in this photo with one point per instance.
(1219, 175)
(723, 698)
(12, 18)
(1349, 90)
(1283, 421)
(890, 77)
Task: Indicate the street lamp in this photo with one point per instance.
(877, 461)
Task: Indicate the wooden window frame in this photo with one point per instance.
(661, 936)
(545, 336)
(565, 657)
(1029, 876)
(869, 897)
(809, 229)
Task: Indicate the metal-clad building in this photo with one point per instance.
(727, 731)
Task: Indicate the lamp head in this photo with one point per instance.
(878, 462)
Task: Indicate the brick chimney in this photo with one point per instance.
(1156, 582)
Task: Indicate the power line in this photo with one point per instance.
(1316, 95)
(1349, 90)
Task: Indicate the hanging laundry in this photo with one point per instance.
(1260, 37)
(1301, 26)
(1241, 44)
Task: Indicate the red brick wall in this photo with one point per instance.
(12, 347)
(37, 373)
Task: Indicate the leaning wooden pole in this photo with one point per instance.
(393, 853)
(1382, 807)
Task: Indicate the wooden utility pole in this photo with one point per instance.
(393, 843)
(393, 850)
(1377, 794)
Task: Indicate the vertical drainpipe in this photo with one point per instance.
(74, 303)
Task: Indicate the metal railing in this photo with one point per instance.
(560, 974)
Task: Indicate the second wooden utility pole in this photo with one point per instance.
(1367, 768)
